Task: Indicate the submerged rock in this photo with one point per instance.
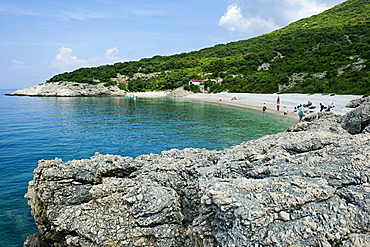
(308, 186)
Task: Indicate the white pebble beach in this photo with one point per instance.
(287, 101)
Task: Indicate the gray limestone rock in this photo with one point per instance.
(308, 186)
(357, 120)
(179, 92)
(69, 89)
(357, 102)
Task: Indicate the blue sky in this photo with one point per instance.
(40, 38)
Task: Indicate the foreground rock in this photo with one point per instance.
(69, 89)
(309, 186)
(357, 102)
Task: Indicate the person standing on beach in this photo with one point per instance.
(300, 112)
(278, 103)
(264, 108)
(322, 107)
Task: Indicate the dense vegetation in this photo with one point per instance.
(326, 53)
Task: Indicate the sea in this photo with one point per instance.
(35, 128)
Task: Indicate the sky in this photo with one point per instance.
(42, 38)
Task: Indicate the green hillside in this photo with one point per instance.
(325, 53)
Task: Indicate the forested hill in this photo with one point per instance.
(325, 53)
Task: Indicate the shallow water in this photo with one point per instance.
(34, 128)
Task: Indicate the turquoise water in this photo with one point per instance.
(34, 128)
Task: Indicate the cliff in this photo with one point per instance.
(69, 89)
(308, 186)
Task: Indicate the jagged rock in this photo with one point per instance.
(69, 89)
(357, 102)
(36, 240)
(309, 186)
(357, 120)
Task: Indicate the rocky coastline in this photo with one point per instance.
(69, 89)
(74, 89)
(308, 186)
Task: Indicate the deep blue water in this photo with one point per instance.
(34, 128)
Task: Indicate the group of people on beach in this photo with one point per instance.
(300, 109)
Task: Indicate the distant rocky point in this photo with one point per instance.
(308, 186)
(69, 89)
(74, 89)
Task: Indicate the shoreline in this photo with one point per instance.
(249, 100)
(256, 101)
(151, 94)
(242, 104)
(287, 101)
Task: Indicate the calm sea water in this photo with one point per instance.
(34, 128)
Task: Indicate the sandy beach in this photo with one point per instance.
(149, 94)
(256, 101)
(287, 101)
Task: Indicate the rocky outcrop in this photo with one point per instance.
(357, 120)
(69, 89)
(308, 186)
(179, 92)
(357, 102)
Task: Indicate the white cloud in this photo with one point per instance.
(80, 14)
(235, 21)
(19, 65)
(111, 56)
(146, 13)
(66, 61)
(111, 52)
(252, 18)
(71, 13)
(298, 9)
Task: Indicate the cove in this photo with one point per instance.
(35, 128)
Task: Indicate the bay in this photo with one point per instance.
(34, 128)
